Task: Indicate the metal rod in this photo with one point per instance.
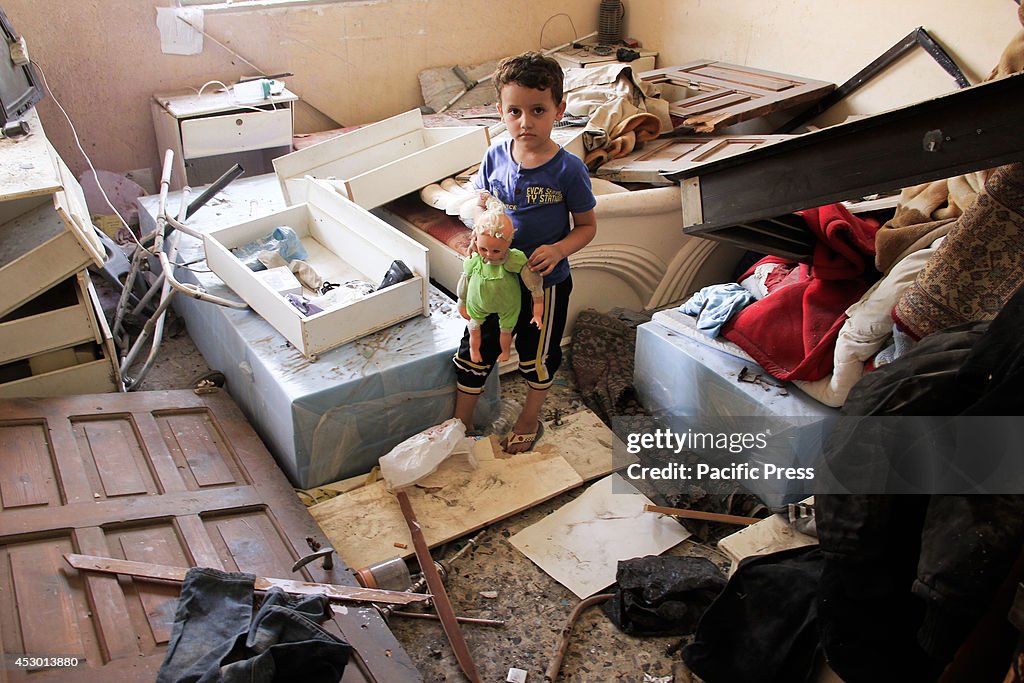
(215, 187)
(461, 620)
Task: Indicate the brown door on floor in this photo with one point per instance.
(706, 96)
(163, 477)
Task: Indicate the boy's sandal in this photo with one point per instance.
(513, 439)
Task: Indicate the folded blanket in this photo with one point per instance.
(925, 213)
(792, 332)
(979, 265)
(624, 111)
(627, 135)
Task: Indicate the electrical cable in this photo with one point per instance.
(96, 176)
(575, 35)
(78, 143)
(262, 72)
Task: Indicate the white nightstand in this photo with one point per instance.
(212, 132)
(591, 55)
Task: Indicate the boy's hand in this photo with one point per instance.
(544, 259)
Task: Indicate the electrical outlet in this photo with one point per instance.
(143, 177)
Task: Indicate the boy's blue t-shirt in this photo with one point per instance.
(538, 200)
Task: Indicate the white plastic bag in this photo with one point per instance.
(421, 454)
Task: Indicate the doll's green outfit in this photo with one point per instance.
(489, 288)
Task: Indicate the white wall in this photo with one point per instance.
(358, 61)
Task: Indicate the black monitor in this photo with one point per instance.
(20, 88)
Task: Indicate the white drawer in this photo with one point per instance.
(238, 132)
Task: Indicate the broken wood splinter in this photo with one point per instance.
(160, 572)
(706, 516)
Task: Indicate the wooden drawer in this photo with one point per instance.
(236, 132)
(61, 317)
(83, 369)
(45, 232)
(383, 161)
(37, 250)
(82, 366)
(345, 242)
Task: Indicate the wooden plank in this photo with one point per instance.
(26, 167)
(365, 524)
(770, 535)
(100, 512)
(155, 545)
(165, 469)
(146, 570)
(747, 77)
(442, 605)
(701, 515)
(115, 632)
(973, 128)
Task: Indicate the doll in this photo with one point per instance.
(489, 282)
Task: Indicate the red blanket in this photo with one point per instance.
(792, 332)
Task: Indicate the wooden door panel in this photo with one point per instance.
(30, 477)
(670, 155)
(706, 96)
(162, 477)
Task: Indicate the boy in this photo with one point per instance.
(541, 185)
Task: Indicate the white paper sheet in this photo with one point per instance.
(581, 544)
(177, 37)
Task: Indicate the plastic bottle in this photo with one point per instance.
(508, 413)
(283, 240)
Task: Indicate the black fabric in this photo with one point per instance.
(762, 627)
(905, 578)
(663, 596)
(216, 638)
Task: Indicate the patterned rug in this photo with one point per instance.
(601, 355)
(978, 267)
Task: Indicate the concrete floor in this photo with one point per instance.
(533, 606)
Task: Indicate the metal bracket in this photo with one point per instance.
(919, 36)
(326, 553)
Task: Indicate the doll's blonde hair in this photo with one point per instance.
(494, 222)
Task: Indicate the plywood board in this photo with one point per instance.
(585, 442)
(771, 535)
(364, 525)
(580, 545)
(26, 167)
